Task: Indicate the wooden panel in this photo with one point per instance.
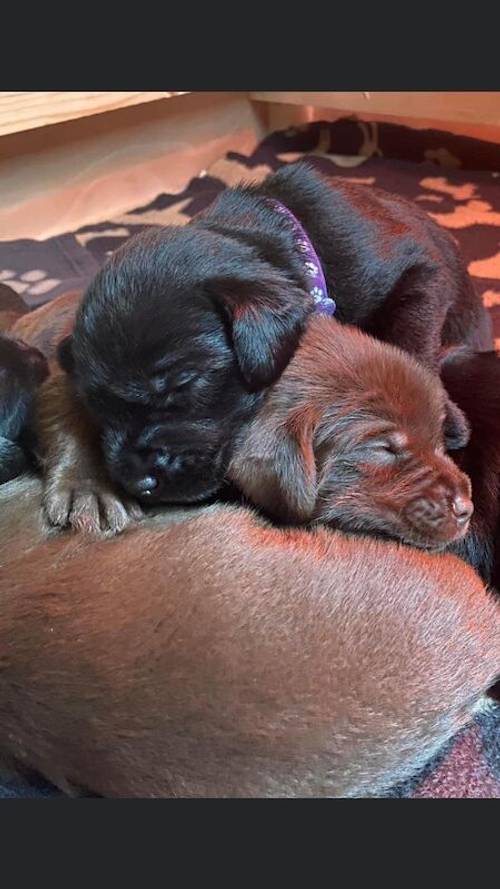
(464, 107)
(56, 179)
(26, 110)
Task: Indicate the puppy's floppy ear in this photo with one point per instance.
(267, 317)
(274, 466)
(65, 354)
(456, 427)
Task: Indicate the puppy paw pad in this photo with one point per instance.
(85, 516)
(57, 508)
(115, 516)
(94, 513)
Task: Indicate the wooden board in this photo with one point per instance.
(56, 179)
(21, 111)
(461, 107)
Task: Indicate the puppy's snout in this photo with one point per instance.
(440, 515)
(144, 487)
(462, 509)
(150, 472)
(163, 470)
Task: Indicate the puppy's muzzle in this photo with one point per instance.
(158, 474)
(440, 515)
(151, 468)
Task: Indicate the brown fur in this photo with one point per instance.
(12, 307)
(77, 489)
(46, 326)
(353, 434)
(220, 657)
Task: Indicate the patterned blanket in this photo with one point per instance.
(456, 179)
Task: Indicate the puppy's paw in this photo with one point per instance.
(90, 508)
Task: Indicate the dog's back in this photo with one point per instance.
(372, 244)
(221, 657)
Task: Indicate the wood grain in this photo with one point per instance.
(21, 111)
(56, 179)
(461, 107)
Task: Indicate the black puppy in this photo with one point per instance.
(22, 369)
(184, 328)
(473, 381)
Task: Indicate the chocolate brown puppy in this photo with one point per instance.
(354, 434)
(67, 444)
(218, 657)
(184, 329)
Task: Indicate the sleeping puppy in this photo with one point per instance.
(473, 381)
(22, 369)
(184, 328)
(26, 348)
(67, 444)
(354, 434)
(207, 655)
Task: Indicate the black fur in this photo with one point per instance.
(184, 328)
(473, 382)
(22, 369)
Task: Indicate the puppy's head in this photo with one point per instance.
(13, 460)
(354, 434)
(176, 340)
(22, 369)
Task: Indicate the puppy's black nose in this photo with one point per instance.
(144, 487)
(462, 509)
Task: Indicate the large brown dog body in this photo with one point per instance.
(221, 657)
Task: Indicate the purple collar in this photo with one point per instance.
(323, 304)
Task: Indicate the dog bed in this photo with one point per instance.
(455, 179)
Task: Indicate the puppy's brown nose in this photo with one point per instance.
(462, 509)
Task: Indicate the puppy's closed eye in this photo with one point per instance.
(383, 450)
(377, 453)
(185, 378)
(165, 384)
